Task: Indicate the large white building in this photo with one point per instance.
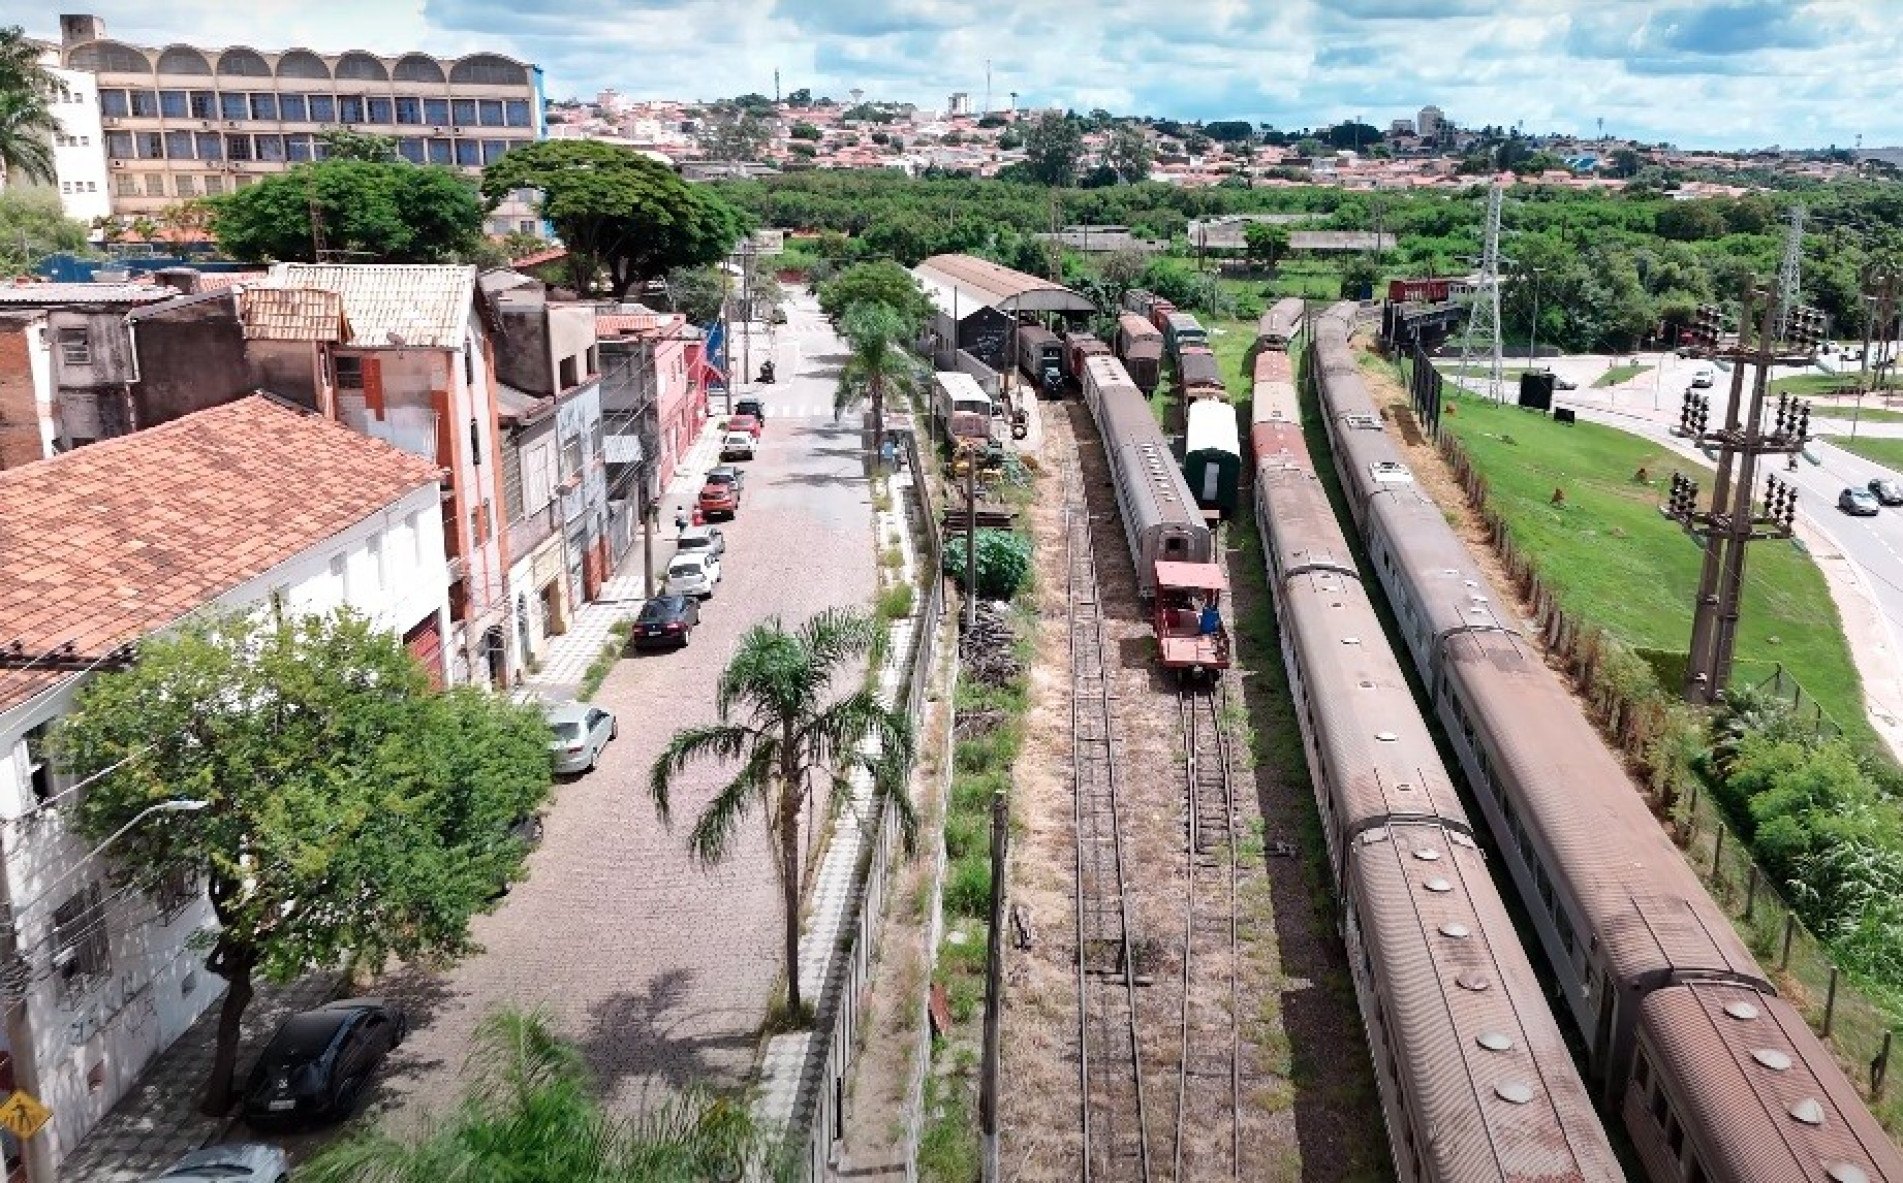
(249, 505)
(1428, 123)
(177, 122)
(79, 155)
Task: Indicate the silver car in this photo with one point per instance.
(232, 1162)
(693, 574)
(579, 731)
(707, 539)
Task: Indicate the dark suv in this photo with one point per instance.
(751, 406)
(666, 622)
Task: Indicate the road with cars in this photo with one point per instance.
(658, 968)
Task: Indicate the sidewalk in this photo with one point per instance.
(158, 1121)
(622, 594)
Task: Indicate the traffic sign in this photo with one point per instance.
(23, 1114)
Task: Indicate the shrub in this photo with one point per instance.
(1004, 559)
(968, 885)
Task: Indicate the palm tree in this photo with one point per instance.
(775, 722)
(877, 365)
(530, 1116)
(26, 123)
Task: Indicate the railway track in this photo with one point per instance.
(1110, 1076)
(1208, 1138)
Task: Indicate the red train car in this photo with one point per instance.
(1160, 310)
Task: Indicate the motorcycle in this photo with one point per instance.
(766, 373)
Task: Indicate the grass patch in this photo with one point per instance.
(948, 1146)
(968, 884)
(1888, 453)
(598, 669)
(1471, 371)
(1620, 373)
(1815, 384)
(1850, 411)
(1614, 561)
(895, 602)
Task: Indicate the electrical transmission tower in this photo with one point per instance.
(1790, 282)
(1735, 518)
(1483, 322)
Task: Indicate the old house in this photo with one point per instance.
(88, 363)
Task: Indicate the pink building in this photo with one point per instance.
(674, 368)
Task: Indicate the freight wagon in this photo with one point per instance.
(1212, 456)
(1140, 346)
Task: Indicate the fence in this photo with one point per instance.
(1783, 686)
(1626, 701)
(819, 1105)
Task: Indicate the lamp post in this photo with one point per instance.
(187, 805)
(1533, 334)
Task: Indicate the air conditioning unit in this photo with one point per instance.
(436, 131)
(111, 121)
(231, 123)
(208, 124)
(455, 131)
(118, 164)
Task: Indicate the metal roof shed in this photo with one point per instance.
(980, 283)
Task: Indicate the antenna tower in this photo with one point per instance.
(1790, 280)
(986, 109)
(776, 88)
(1483, 322)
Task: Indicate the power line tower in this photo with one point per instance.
(1483, 321)
(1735, 518)
(1790, 281)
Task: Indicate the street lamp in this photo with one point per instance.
(1533, 334)
(187, 805)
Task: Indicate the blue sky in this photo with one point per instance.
(1722, 73)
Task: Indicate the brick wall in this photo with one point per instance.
(20, 441)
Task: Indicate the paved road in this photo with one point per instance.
(658, 968)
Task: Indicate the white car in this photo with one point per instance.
(693, 574)
(1702, 377)
(702, 538)
(577, 733)
(232, 1162)
(737, 445)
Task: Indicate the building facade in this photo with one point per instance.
(178, 122)
(79, 157)
(215, 509)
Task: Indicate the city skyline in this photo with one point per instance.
(1694, 73)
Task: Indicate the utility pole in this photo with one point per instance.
(1734, 520)
(1879, 308)
(1484, 319)
(1790, 283)
(746, 314)
(994, 993)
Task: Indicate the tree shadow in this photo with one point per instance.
(653, 1033)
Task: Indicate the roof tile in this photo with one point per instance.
(422, 305)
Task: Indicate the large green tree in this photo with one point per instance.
(529, 1114)
(351, 814)
(777, 725)
(379, 213)
(1128, 153)
(878, 365)
(879, 282)
(618, 211)
(32, 226)
(1264, 243)
(1053, 144)
(26, 121)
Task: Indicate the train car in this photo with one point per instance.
(1160, 312)
(1140, 346)
(1197, 374)
(1212, 456)
(1160, 520)
(1041, 358)
(1138, 301)
(1181, 330)
(1279, 324)
(1077, 347)
(1638, 947)
(961, 406)
(1474, 1078)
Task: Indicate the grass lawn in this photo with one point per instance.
(1618, 374)
(1848, 411)
(1230, 340)
(1456, 370)
(1825, 383)
(1888, 453)
(1613, 560)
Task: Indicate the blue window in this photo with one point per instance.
(113, 102)
(469, 153)
(462, 112)
(323, 109)
(270, 147)
(297, 146)
(380, 111)
(238, 148)
(173, 104)
(211, 146)
(349, 108)
(145, 103)
(179, 145)
(151, 144)
(291, 108)
(436, 112)
(492, 150)
(491, 110)
(119, 145)
(264, 106)
(441, 152)
(204, 104)
(517, 111)
(234, 106)
(409, 111)
(412, 149)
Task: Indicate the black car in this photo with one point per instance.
(317, 1065)
(666, 622)
(751, 406)
(1887, 491)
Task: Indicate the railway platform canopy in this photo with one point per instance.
(959, 284)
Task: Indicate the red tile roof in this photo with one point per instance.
(102, 545)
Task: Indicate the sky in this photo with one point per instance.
(1708, 73)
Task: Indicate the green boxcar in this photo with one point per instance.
(1212, 455)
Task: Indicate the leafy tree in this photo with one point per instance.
(753, 102)
(805, 131)
(801, 98)
(1052, 147)
(1121, 269)
(730, 134)
(32, 226)
(697, 292)
(1100, 119)
(350, 813)
(27, 123)
(879, 282)
(775, 721)
(1626, 162)
(1003, 559)
(1009, 140)
(529, 1114)
(617, 210)
(391, 213)
(878, 364)
(1358, 277)
(1128, 152)
(1310, 147)
(1264, 243)
(1229, 131)
(341, 143)
(1196, 143)
(1690, 221)
(1353, 135)
(991, 121)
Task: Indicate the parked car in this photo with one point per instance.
(693, 574)
(1560, 383)
(707, 538)
(1886, 491)
(751, 406)
(578, 732)
(728, 474)
(229, 1162)
(1703, 376)
(666, 621)
(719, 496)
(737, 445)
(746, 423)
(1858, 503)
(316, 1067)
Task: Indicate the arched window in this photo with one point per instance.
(361, 67)
(108, 57)
(243, 63)
(486, 69)
(180, 59)
(301, 63)
(415, 67)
